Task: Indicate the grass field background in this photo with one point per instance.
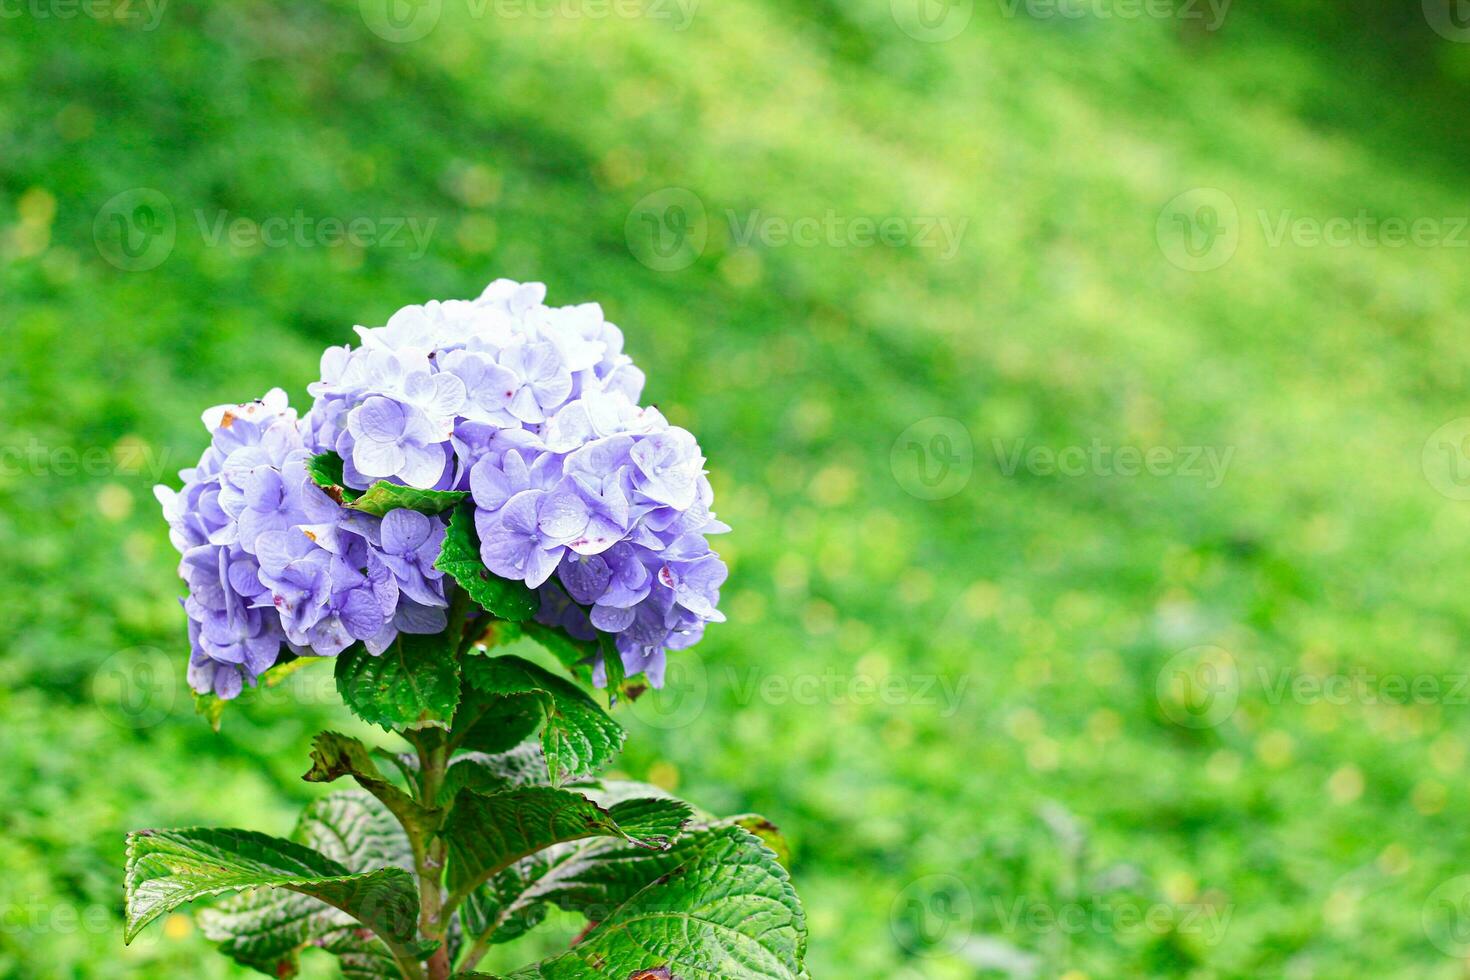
(966, 712)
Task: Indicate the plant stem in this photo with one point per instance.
(433, 761)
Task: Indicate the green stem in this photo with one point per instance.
(429, 857)
(472, 955)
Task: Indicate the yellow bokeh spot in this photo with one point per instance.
(177, 926)
(1345, 785)
(664, 775)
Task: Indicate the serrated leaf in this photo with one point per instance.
(574, 654)
(459, 557)
(483, 772)
(497, 724)
(487, 833)
(590, 877)
(169, 868)
(413, 684)
(268, 928)
(325, 470)
(382, 497)
(724, 909)
(578, 738)
(334, 755)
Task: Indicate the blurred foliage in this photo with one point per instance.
(1048, 605)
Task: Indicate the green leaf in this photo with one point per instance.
(413, 684)
(484, 772)
(382, 497)
(591, 877)
(497, 724)
(459, 557)
(612, 663)
(574, 654)
(334, 756)
(211, 707)
(488, 833)
(268, 928)
(325, 470)
(578, 738)
(168, 868)
(724, 908)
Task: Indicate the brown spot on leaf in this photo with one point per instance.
(657, 973)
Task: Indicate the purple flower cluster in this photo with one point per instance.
(594, 501)
(271, 561)
(599, 503)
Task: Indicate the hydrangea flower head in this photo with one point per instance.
(577, 490)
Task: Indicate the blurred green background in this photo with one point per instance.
(914, 272)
